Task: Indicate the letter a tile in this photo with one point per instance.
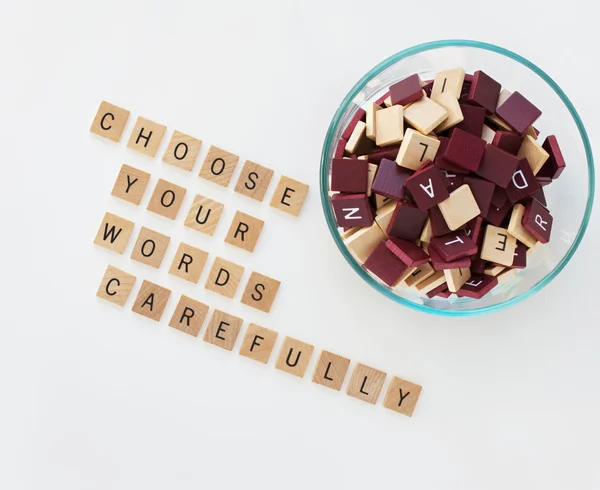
(151, 301)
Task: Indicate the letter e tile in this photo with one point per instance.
(223, 330)
(289, 196)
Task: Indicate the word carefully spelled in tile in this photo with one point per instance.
(388, 221)
(454, 158)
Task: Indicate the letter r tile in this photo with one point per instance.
(244, 231)
(366, 383)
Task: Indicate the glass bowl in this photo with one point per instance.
(569, 198)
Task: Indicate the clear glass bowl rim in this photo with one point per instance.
(360, 85)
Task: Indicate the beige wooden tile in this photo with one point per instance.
(364, 241)
(356, 140)
(289, 196)
(166, 199)
(182, 151)
(506, 275)
(530, 132)
(402, 396)
(371, 111)
(188, 262)
(114, 233)
(349, 232)
(254, 180)
(448, 82)
(371, 177)
(456, 278)
(390, 125)
(223, 330)
(151, 301)
(493, 270)
(381, 201)
(260, 292)
(487, 134)
(115, 286)
(110, 121)
(437, 279)
(416, 149)
(258, 343)
(388, 101)
(460, 208)
(244, 231)
(498, 121)
(224, 277)
(455, 115)
(130, 184)
(218, 166)
(498, 246)
(425, 115)
(516, 228)
(383, 215)
(535, 154)
(204, 215)
(294, 357)
(146, 136)
(366, 383)
(150, 247)
(419, 274)
(331, 370)
(189, 316)
(427, 233)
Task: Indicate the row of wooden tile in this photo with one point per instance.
(182, 151)
(188, 263)
(223, 329)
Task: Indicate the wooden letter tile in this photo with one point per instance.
(114, 233)
(244, 231)
(460, 208)
(331, 370)
(151, 301)
(146, 136)
(371, 111)
(535, 154)
(425, 115)
(189, 316)
(130, 184)
(110, 121)
(498, 246)
(448, 82)
(258, 343)
(260, 292)
(455, 115)
(166, 199)
(455, 278)
(416, 149)
(516, 228)
(223, 330)
(358, 143)
(254, 180)
(420, 274)
(115, 286)
(366, 383)
(182, 151)
(436, 280)
(390, 125)
(150, 247)
(364, 241)
(204, 215)
(294, 357)
(224, 277)
(289, 196)
(188, 262)
(402, 396)
(218, 166)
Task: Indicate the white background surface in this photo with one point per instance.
(96, 397)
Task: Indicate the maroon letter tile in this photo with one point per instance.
(518, 112)
(523, 183)
(465, 150)
(385, 265)
(349, 175)
(554, 166)
(439, 264)
(408, 252)
(484, 91)
(390, 179)
(352, 210)
(497, 166)
(453, 246)
(537, 220)
(407, 221)
(474, 118)
(510, 142)
(407, 90)
(427, 187)
(478, 286)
